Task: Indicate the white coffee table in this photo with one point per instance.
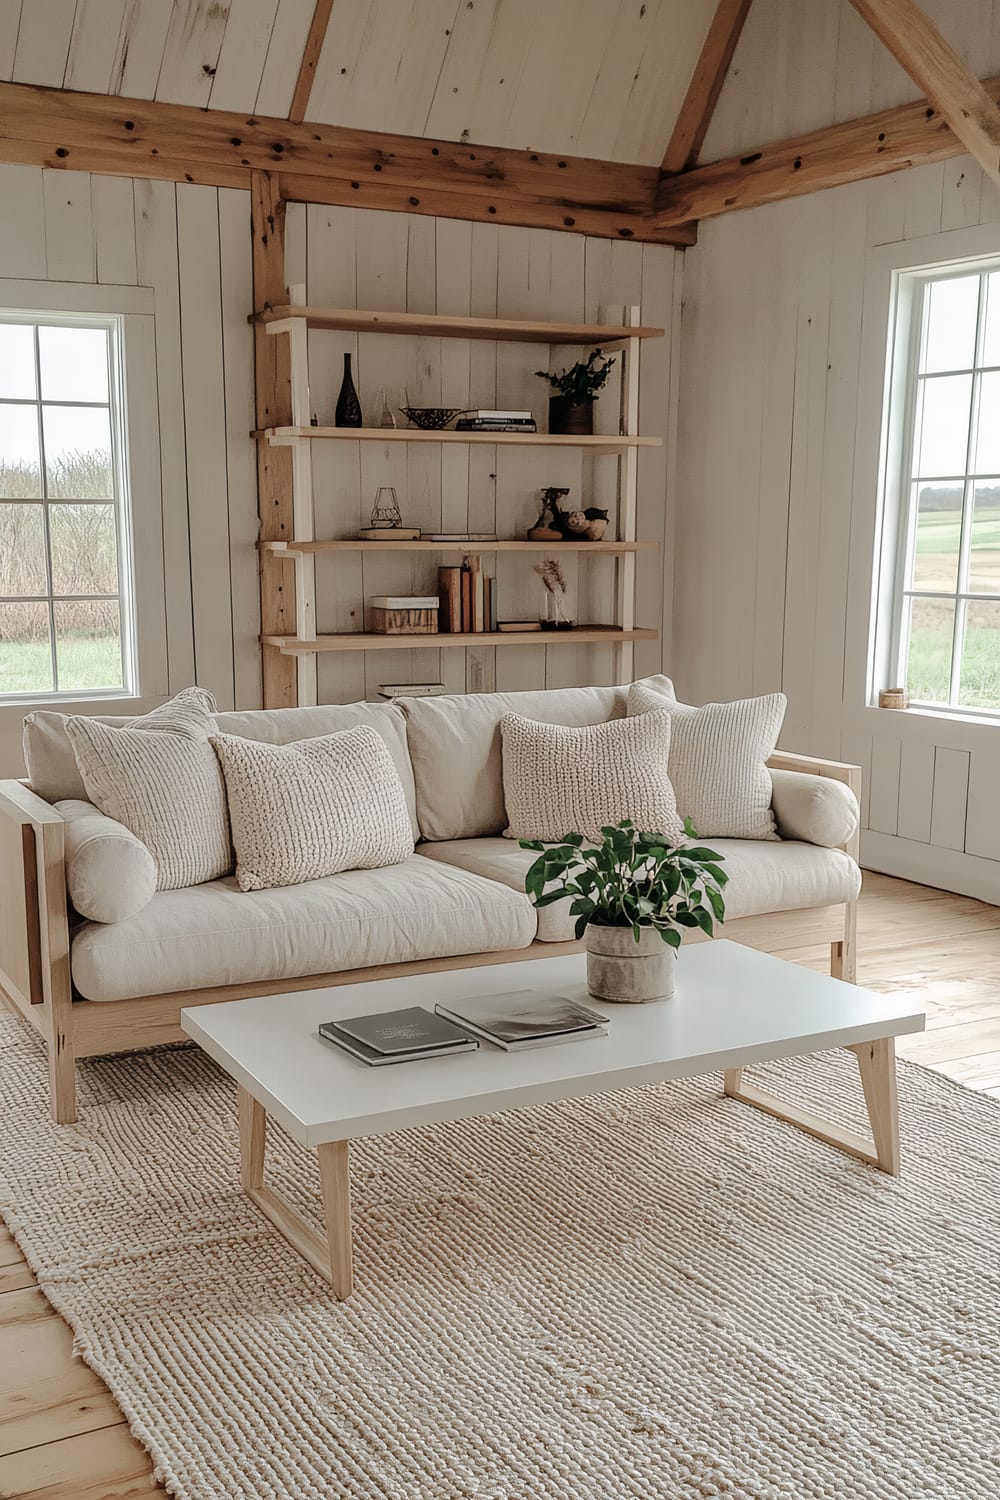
(733, 1007)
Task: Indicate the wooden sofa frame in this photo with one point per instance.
(35, 945)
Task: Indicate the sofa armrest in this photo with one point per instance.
(800, 803)
(32, 892)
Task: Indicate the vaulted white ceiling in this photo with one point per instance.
(601, 78)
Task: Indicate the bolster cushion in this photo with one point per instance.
(110, 875)
(813, 809)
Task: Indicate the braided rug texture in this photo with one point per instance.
(651, 1294)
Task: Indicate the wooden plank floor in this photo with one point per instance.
(63, 1438)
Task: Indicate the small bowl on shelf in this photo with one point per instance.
(431, 418)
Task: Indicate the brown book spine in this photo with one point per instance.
(478, 602)
(487, 605)
(466, 598)
(450, 594)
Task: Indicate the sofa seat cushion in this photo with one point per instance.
(763, 876)
(216, 934)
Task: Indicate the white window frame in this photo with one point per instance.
(902, 291)
(136, 454)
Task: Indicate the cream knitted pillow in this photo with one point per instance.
(163, 784)
(558, 780)
(314, 807)
(717, 758)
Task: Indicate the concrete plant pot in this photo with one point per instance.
(626, 971)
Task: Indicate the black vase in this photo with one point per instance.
(348, 406)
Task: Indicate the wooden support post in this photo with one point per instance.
(272, 386)
(310, 60)
(253, 1140)
(628, 497)
(335, 1178)
(705, 86)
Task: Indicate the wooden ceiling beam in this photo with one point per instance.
(936, 67)
(705, 86)
(330, 164)
(310, 61)
(907, 136)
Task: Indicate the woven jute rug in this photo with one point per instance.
(656, 1293)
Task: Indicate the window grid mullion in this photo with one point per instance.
(46, 530)
(965, 534)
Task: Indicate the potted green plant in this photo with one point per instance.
(633, 894)
(571, 409)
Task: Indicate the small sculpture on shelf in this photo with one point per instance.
(557, 525)
(555, 616)
(386, 523)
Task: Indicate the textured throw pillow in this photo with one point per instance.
(163, 784)
(110, 875)
(717, 757)
(558, 780)
(314, 807)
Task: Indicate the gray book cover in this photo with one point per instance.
(401, 1031)
(523, 1016)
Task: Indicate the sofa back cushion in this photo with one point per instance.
(455, 749)
(53, 772)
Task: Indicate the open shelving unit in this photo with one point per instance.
(294, 321)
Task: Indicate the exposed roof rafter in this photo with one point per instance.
(706, 85)
(936, 67)
(310, 60)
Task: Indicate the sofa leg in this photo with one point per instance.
(844, 953)
(62, 1079)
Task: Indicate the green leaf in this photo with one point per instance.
(582, 924)
(672, 936)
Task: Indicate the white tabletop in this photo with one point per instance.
(732, 1006)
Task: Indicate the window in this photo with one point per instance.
(65, 599)
(944, 500)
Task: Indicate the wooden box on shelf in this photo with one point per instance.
(393, 614)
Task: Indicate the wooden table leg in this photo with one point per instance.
(877, 1063)
(335, 1177)
(330, 1254)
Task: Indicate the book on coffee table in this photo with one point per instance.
(518, 1019)
(397, 1036)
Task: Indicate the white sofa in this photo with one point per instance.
(93, 987)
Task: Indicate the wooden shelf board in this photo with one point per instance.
(290, 645)
(352, 544)
(431, 325)
(596, 443)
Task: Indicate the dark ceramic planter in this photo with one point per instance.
(569, 419)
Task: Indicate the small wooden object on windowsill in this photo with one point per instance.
(892, 698)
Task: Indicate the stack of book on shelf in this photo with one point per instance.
(518, 1019)
(396, 1036)
(496, 421)
(468, 598)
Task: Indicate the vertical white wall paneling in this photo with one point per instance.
(949, 805)
(205, 437)
(982, 830)
(243, 54)
(856, 750)
(139, 51)
(43, 42)
(96, 27)
(156, 258)
(70, 244)
(191, 51)
(916, 789)
(10, 20)
(113, 207)
(22, 224)
(883, 809)
(284, 54)
(241, 468)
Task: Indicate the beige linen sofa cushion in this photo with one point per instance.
(164, 784)
(455, 749)
(313, 808)
(560, 780)
(717, 757)
(764, 876)
(53, 773)
(217, 935)
(816, 809)
(110, 875)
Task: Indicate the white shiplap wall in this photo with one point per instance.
(191, 245)
(777, 478)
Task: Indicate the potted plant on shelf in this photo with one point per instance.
(571, 409)
(633, 894)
